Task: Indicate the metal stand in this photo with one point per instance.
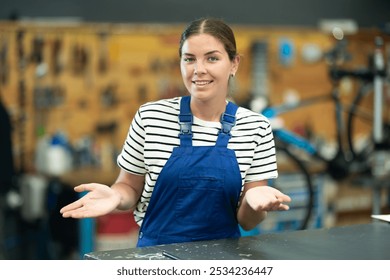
(380, 154)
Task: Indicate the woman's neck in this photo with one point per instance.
(208, 110)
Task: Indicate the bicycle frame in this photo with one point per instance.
(344, 163)
(288, 137)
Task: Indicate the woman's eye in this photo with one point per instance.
(213, 58)
(188, 59)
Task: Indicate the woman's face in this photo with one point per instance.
(206, 67)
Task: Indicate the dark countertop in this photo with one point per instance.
(356, 242)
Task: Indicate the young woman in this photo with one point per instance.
(193, 167)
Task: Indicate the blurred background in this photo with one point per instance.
(73, 74)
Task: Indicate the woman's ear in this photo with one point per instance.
(235, 62)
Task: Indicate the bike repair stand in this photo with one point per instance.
(381, 157)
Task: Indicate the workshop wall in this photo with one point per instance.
(88, 80)
(83, 81)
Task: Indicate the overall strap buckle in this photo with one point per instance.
(185, 122)
(227, 121)
(185, 116)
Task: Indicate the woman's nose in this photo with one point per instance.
(199, 68)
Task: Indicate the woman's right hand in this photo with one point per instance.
(99, 200)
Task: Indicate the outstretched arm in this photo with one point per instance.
(256, 200)
(101, 199)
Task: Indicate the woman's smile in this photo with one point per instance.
(202, 83)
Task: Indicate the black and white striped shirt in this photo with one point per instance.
(154, 133)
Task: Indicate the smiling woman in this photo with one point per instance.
(206, 69)
(208, 57)
(193, 167)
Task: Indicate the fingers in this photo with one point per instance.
(282, 207)
(280, 196)
(76, 210)
(278, 206)
(285, 198)
(84, 188)
(280, 199)
(76, 214)
(68, 209)
(73, 209)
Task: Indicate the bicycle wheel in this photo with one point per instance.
(360, 125)
(295, 181)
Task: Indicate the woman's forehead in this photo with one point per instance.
(202, 42)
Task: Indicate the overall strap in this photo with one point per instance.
(228, 120)
(185, 122)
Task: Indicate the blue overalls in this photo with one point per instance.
(197, 192)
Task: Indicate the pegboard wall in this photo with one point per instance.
(88, 80)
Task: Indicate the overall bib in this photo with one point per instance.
(197, 192)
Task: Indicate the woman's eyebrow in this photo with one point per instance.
(208, 53)
(212, 52)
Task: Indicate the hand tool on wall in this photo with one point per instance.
(80, 59)
(4, 61)
(56, 58)
(21, 122)
(103, 61)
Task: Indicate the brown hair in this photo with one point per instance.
(214, 27)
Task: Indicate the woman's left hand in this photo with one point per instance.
(266, 198)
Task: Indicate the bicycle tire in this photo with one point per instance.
(298, 169)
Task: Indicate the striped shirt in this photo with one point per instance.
(154, 133)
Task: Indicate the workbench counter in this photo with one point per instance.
(356, 242)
